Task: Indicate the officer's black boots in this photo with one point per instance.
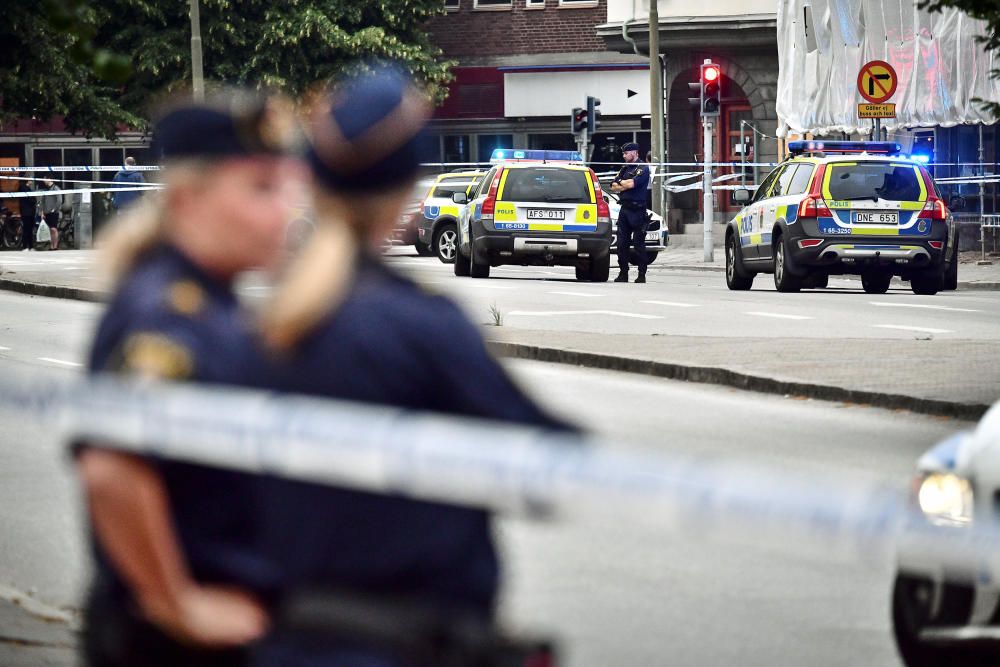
(622, 277)
(641, 278)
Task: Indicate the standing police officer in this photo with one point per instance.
(630, 184)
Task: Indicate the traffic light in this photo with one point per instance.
(578, 121)
(711, 96)
(593, 115)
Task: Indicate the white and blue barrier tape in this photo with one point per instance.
(499, 467)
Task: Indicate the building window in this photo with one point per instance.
(456, 148)
(451, 5)
(490, 142)
(492, 4)
(578, 3)
(534, 4)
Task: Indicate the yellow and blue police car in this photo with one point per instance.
(542, 208)
(437, 225)
(844, 207)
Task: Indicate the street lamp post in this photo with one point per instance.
(197, 73)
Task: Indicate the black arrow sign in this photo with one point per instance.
(631, 93)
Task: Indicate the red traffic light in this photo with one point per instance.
(711, 74)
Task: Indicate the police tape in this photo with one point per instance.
(60, 169)
(43, 193)
(515, 470)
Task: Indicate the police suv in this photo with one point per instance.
(437, 227)
(946, 597)
(844, 207)
(536, 208)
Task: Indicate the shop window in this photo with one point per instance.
(456, 148)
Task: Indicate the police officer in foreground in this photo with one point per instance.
(630, 184)
(178, 577)
(373, 579)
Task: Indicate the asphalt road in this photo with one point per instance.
(624, 592)
(699, 304)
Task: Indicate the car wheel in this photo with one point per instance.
(784, 281)
(651, 256)
(12, 231)
(461, 264)
(476, 269)
(876, 282)
(423, 249)
(737, 277)
(446, 242)
(817, 281)
(912, 601)
(927, 282)
(951, 275)
(599, 270)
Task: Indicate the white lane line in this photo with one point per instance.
(481, 285)
(60, 362)
(615, 313)
(676, 304)
(4, 349)
(918, 329)
(575, 293)
(780, 316)
(925, 306)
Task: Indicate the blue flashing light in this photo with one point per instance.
(921, 158)
(818, 146)
(501, 155)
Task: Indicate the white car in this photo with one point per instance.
(657, 236)
(437, 221)
(946, 604)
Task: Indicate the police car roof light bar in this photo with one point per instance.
(870, 147)
(516, 155)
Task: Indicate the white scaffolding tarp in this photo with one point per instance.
(823, 43)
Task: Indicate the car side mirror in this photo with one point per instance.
(741, 196)
(459, 198)
(957, 203)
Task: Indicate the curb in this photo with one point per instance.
(738, 380)
(53, 291)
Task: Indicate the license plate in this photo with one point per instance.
(546, 214)
(874, 218)
(653, 236)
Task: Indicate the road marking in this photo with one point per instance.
(905, 328)
(677, 304)
(4, 349)
(60, 362)
(780, 316)
(481, 285)
(921, 305)
(575, 293)
(616, 313)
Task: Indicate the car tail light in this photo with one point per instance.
(490, 203)
(813, 207)
(934, 209)
(603, 210)
(809, 243)
(937, 245)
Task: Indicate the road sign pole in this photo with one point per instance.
(707, 206)
(878, 129)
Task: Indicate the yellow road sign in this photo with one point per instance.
(876, 111)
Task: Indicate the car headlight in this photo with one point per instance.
(945, 499)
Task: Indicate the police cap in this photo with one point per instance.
(233, 124)
(367, 135)
(630, 146)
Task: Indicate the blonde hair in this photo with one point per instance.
(318, 280)
(134, 233)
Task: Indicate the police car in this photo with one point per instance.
(946, 597)
(437, 226)
(657, 236)
(542, 208)
(843, 207)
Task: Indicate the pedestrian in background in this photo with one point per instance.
(631, 184)
(28, 208)
(344, 325)
(51, 201)
(130, 178)
(178, 579)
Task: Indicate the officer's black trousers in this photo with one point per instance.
(632, 233)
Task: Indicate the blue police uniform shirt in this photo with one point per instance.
(170, 320)
(639, 172)
(392, 343)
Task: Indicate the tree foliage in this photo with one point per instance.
(984, 10)
(292, 46)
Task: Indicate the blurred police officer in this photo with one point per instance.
(344, 325)
(630, 184)
(177, 580)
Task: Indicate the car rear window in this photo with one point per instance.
(449, 186)
(874, 180)
(547, 184)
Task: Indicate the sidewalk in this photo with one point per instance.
(33, 635)
(956, 378)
